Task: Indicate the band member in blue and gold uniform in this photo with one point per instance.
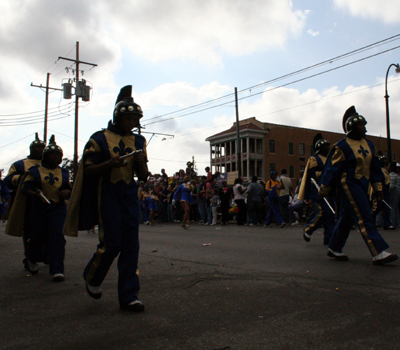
(321, 214)
(106, 194)
(382, 207)
(17, 170)
(351, 166)
(48, 186)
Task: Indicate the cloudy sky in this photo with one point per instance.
(293, 62)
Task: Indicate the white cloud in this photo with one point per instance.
(387, 11)
(324, 110)
(203, 31)
(181, 94)
(313, 33)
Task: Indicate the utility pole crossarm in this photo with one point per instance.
(77, 61)
(47, 87)
(41, 86)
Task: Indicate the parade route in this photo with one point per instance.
(209, 287)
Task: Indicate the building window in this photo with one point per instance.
(312, 151)
(252, 145)
(259, 146)
(302, 150)
(291, 149)
(394, 156)
(291, 171)
(259, 168)
(271, 166)
(271, 146)
(244, 145)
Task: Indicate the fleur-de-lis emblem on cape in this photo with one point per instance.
(121, 150)
(51, 179)
(363, 151)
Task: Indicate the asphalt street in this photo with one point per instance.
(209, 287)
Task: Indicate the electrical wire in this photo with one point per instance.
(28, 113)
(274, 88)
(8, 144)
(330, 61)
(282, 110)
(34, 122)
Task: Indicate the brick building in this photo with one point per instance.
(267, 146)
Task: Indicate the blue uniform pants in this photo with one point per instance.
(273, 209)
(323, 217)
(118, 235)
(355, 209)
(44, 240)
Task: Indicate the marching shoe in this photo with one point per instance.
(337, 256)
(58, 277)
(384, 258)
(134, 306)
(33, 268)
(306, 236)
(94, 292)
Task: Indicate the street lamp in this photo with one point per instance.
(389, 146)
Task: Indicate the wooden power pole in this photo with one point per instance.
(78, 93)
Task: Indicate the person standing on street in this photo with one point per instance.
(284, 196)
(394, 188)
(255, 193)
(238, 196)
(352, 166)
(14, 176)
(225, 195)
(106, 193)
(47, 186)
(321, 214)
(273, 187)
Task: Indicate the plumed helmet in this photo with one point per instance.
(319, 141)
(125, 104)
(350, 118)
(52, 147)
(37, 142)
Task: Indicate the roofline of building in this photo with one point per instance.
(267, 124)
(234, 133)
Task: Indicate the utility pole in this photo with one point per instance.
(78, 93)
(239, 148)
(46, 104)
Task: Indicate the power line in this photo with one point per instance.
(274, 88)
(40, 117)
(41, 111)
(329, 61)
(33, 122)
(8, 144)
(285, 109)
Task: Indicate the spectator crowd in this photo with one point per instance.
(212, 201)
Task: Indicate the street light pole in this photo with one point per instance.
(389, 144)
